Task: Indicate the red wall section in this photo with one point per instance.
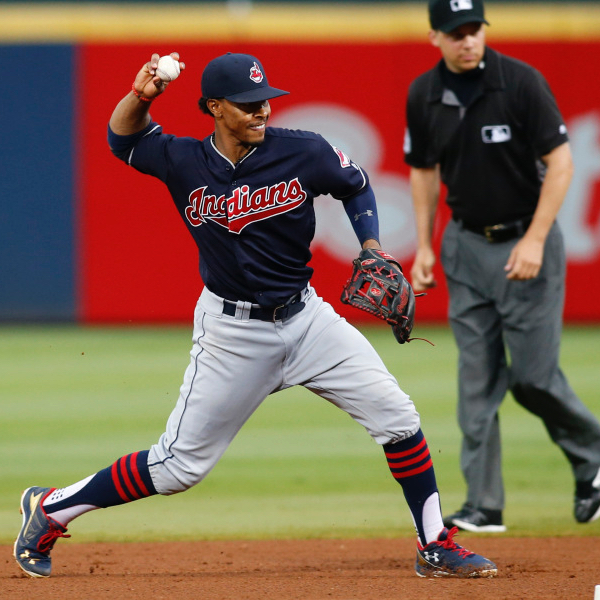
(138, 262)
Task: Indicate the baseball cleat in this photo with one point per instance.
(445, 558)
(38, 534)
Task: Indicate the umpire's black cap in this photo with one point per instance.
(237, 77)
(447, 15)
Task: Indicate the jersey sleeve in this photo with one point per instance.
(544, 123)
(339, 176)
(418, 152)
(146, 150)
(362, 212)
(336, 173)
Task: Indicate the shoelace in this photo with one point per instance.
(412, 339)
(48, 540)
(450, 544)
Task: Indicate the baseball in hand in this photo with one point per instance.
(168, 68)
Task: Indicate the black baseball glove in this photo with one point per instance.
(378, 286)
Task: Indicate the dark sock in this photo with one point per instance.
(125, 480)
(410, 463)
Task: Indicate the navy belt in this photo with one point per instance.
(502, 232)
(276, 313)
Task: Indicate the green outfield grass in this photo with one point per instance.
(72, 400)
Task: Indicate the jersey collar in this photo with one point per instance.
(239, 162)
(493, 76)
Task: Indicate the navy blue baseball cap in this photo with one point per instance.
(447, 15)
(237, 77)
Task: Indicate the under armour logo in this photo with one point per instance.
(433, 556)
(26, 554)
(369, 213)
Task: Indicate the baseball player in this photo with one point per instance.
(488, 126)
(245, 194)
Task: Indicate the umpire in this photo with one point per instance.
(487, 126)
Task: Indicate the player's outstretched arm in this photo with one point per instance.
(132, 113)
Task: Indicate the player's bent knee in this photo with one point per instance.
(168, 481)
(171, 475)
(400, 426)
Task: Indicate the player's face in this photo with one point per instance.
(462, 48)
(245, 121)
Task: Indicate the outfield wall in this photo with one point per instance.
(85, 238)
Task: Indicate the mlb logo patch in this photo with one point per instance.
(407, 146)
(458, 5)
(496, 134)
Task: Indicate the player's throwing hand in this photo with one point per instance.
(148, 84)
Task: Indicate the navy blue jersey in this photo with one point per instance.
(253, 221)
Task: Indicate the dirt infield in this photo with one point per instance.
(545, 569)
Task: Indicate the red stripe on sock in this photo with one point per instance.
(130, 487)
(136, 474)
(427, 465)
(406, 452)
(117, 483)
(410, 461)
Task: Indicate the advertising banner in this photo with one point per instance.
(138, 263)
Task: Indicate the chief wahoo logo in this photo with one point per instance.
(255, 73)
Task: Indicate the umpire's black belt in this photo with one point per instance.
(502, 232)
(276, 313)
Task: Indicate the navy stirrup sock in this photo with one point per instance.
(410, 463)
(125, 480)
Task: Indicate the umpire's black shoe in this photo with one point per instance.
(466, 509)
(477, 520)
(587, 509)
(587, 500)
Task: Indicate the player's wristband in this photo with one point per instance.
(138, 95)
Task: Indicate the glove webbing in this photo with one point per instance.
(377, 308)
